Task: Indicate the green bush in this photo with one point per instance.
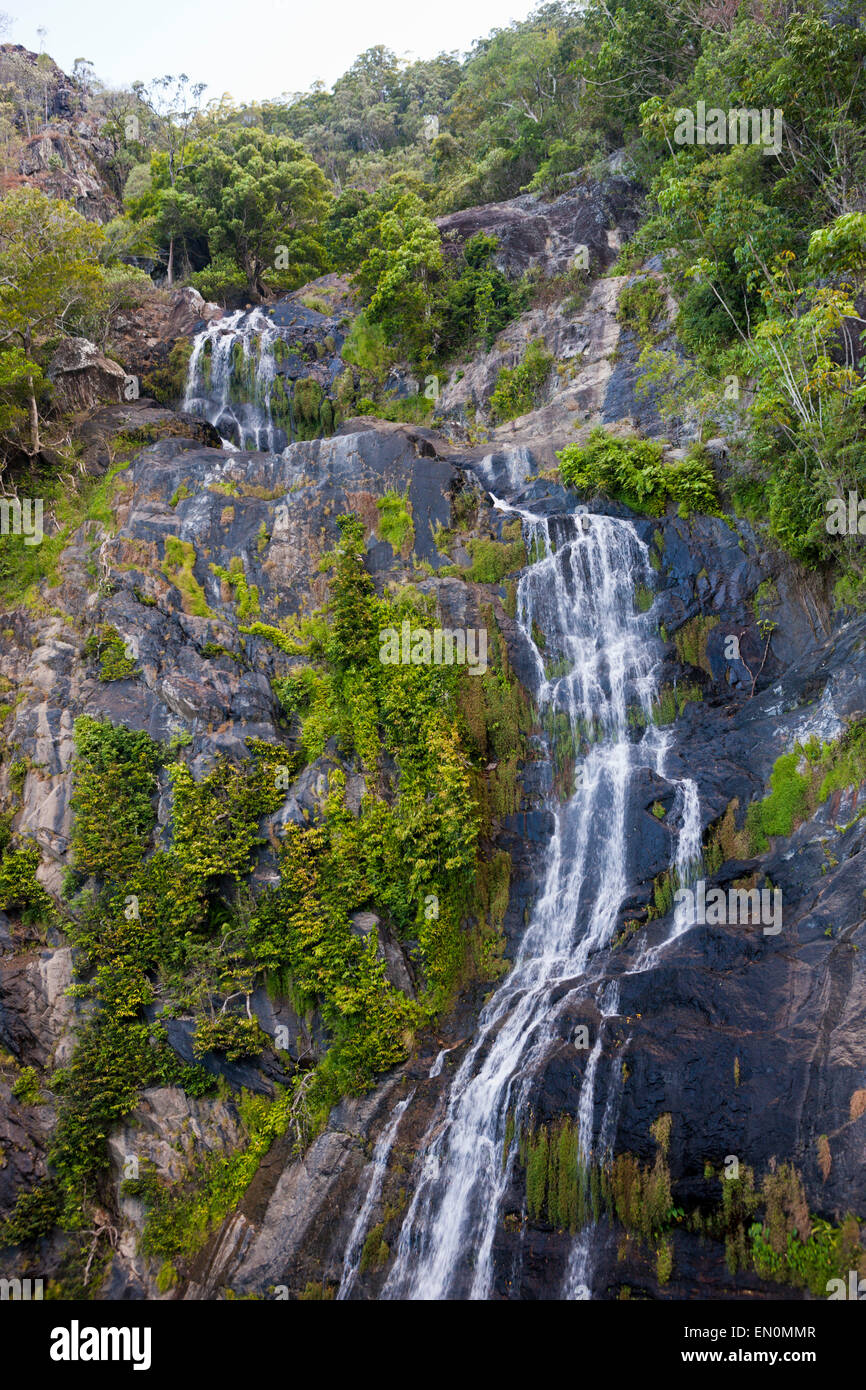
(641, 307)
(633, 471)
(518, 389)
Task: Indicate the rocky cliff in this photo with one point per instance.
(751, 1043)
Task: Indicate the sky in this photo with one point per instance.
(252, 49)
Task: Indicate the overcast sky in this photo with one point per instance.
(250, 48)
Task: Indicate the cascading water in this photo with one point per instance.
(378, 1167)
(258, 383)
(599, 662)
(230, 380)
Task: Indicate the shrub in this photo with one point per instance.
(633, 471)
(519, 388)
(641, 307)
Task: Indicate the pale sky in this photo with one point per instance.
(251, 48)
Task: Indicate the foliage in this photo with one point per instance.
(476, 300)
(26, 1088)
(106, 645)
(259, 200)
(395, 521)
(246, 595)
(518, 389)
(49, 273)
(802, 780)
(411, 856)
(178, 566)
(110, 834)
(641, 307)
(633, 472)
(18, 883)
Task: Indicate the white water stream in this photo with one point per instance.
(596, 660)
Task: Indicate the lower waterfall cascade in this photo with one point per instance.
(579, 593)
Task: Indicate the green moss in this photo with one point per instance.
(395, 522)
(785, 805)
(411, 410)
(492, 560)
(246, 595)
(106, 645)
(167, 384)
(803, 779)
(691, 641)
(668, 705)
(178, 566)
(306, 405)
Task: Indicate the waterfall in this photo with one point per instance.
(689, 856)
(257, 383)
(230, 380)
(378, 1167)
(596, 665)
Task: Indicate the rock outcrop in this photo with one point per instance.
(83, 378)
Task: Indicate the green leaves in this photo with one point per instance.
(260, 199)
(215, 820)
(518, 389)
(633, 472)
(114, 783)
(49, 275)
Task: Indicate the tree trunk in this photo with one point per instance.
(35, 443)
(170, 268)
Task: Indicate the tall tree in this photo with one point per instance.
(175, 103)
(49, 272)
(263, 202)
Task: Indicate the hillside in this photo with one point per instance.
(434, 671)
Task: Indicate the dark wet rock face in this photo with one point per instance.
(752, 1041)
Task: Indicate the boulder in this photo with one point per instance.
(83, 378)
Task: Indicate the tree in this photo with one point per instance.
(399, 275)
(175, 104)
(263, 202)
(49, 272)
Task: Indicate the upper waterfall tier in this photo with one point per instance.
(265, 378)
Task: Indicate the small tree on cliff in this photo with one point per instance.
(49, 275)
(263, 201)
